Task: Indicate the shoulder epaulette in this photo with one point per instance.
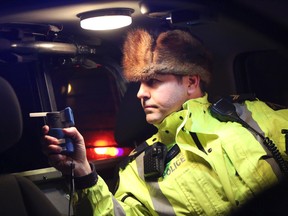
(251, 97)
(242, 97)
(275, 106)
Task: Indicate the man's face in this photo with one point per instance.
(162, 95)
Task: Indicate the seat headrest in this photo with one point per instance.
(11, 123)
(256, 70)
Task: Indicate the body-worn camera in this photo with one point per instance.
(154, 161)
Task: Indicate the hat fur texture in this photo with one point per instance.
(172, 52)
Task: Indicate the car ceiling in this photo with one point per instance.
(235, 26)
(63, 13)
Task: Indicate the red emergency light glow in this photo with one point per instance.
(100, 153)
(99, 138)
(101, 145)
(112, 151)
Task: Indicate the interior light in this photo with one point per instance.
(69, 88)
(106, 19)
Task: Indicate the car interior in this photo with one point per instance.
(29, 198)
(50, 61)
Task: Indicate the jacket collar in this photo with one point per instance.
(169, 127)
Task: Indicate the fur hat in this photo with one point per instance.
(172, 52)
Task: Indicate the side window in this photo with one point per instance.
(263, 73)
(94, 96)
(25, 154)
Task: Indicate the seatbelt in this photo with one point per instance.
(224, 110)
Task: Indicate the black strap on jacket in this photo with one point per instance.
(135, 153)
(197, 142)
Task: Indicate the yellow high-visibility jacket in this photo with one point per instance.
(220, 166)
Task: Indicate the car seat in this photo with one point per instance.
(263, 73)
(18, 195)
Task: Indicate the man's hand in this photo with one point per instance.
(51, 147)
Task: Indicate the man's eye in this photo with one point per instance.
(153, 81)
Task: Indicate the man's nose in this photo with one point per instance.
(142, 92)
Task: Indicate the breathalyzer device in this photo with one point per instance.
(57, 121)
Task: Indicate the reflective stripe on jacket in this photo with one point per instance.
(212, 175)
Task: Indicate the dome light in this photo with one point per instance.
(106, 19)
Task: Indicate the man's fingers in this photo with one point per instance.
(74, 134)
(45, 129)
(51, 149)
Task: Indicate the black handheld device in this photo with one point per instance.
(56, 122)
(154, 161)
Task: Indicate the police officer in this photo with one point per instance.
(195, 164)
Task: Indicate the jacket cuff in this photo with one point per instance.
(86, 181)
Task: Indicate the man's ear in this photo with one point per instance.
(194, 80)
(193, 84)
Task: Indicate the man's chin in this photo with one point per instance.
(153, 120)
